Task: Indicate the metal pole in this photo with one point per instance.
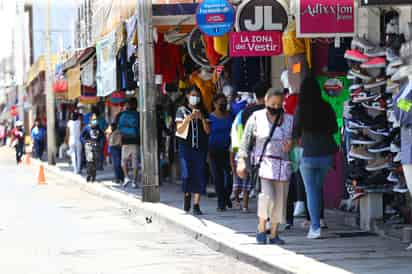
(147, 89)
(51, 139)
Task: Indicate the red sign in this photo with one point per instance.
(255, 43)
(13, 111)
(326, 18)
(215, 18)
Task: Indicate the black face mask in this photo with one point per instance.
(274, 111)
(222, 107)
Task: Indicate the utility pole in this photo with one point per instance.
(147, 99)
(51, 131)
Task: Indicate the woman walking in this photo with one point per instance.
(315, 124)
(268, 134)
(219, 144)
(115, 146)
(192, 130)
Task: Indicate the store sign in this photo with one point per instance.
(326, 18)
(259, 43)
(385, 2)
(261, 15)
(215, 17)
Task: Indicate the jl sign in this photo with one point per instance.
(261, 15)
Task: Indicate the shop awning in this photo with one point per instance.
(39, 66)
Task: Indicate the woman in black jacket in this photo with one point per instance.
(315, 124)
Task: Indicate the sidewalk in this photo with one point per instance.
(344, 249)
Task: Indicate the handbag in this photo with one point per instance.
(255, 167)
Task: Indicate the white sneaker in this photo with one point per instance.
(314, 234)
(409, 248)
(299, 209)
(252, 194)
(127, 181)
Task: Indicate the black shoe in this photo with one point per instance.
(196, 210)
(385, 145)
(378, 178)
(188, 200)
(88, 178)
(229, 203)
(220, 209)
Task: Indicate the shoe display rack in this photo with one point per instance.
(372, 134)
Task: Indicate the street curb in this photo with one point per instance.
(188, 224)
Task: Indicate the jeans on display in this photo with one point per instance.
(314, 171)
(221, 174)
(116, 153)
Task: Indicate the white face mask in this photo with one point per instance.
(194, 100)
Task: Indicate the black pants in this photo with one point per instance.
(19, 152)
(221, 174)
(296, 193)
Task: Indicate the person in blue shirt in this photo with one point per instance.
(38, 137)
(221, 121)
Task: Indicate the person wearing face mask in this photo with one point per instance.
(266, 142)
(219, 143)
(192, 130)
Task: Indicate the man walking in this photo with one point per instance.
(128, 123)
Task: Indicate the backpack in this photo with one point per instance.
(129, 124)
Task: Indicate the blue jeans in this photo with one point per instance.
(314, 171)
(116, 153)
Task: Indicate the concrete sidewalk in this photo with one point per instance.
(343, 250)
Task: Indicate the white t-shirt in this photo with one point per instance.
(74, 132)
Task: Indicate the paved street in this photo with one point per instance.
(60, 229)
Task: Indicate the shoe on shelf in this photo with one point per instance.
(360, 139)
(380, 131)
(378, 164)
(378, 105)
(276, 241)
(361, 96)
(361, 153)
(354, 87)
(362, 43)
(360, 75)
(376, 62)
(355, 55)
(378, 178)
(375, 83)
(397, 157)
(393, 177)
(401, 187)
(314, 234)
(261, 238)
(376, 52)
(380, 147)
(196, 210)
(390, 55)
(394, 148)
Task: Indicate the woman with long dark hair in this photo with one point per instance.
(192, 130)
(315, 124)
(219, 144)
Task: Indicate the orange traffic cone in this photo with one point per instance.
(28, 159)
(42, 178)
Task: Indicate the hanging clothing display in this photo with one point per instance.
(125, 74)
(336, 101)
(221, 44)
(207, 90)
(88, 73)
(168, 60)
(74, 84)
(106, 79)
(246, 72)
(131, 29)
(211, 53)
